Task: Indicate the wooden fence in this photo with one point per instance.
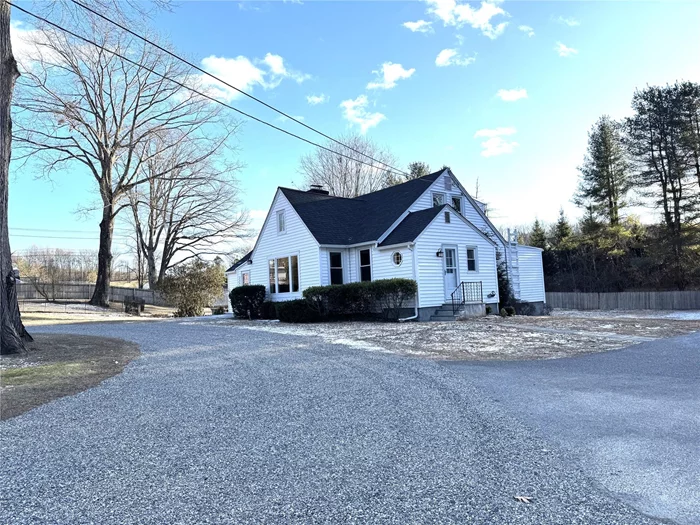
(687, 300)
(83, 292)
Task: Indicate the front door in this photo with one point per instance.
(450, 267)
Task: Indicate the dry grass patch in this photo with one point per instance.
(58, 365)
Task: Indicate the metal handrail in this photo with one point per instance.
(469, 292)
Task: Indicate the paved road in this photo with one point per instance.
(217, 424)
(631, 418)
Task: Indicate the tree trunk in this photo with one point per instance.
(100, 296)
(153, 280)
(12, 332)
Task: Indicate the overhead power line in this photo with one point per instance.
(218, 79)
(193, 90)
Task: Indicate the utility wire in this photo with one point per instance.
(177, 82)
(205, 72)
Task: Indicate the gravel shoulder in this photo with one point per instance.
(218, 424)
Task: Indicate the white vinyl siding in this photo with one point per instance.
(296, 241)
(531, 274)
(431, 281)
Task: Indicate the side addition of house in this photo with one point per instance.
(428, 229)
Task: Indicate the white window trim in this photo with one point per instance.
(461, 203)
(283, 215)
(277, 284)
(359, 264)
(476, 258)
(392, 258)
(243, 274)
(342, 266)
(432, 198)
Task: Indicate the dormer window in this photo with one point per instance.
(438, 199)
(281, 226)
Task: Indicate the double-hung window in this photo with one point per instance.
(336, 265)
(365, 265)
(471, 260)
(284, 274)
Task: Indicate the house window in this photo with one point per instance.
(365, 266)
(283, 284)
(448, 183)
(284, 274)
(447, 217)
(295, 273)
(273, 281)
(438, 199)
(246, 278)
(336, 260)
(457, 203)
(397, 258)
(471, 259)
(281, 227)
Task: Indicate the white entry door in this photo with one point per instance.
(450, 267)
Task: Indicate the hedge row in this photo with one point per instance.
(383, 298)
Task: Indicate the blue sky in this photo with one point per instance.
(558, 66)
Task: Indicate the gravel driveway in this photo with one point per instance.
(215, 424)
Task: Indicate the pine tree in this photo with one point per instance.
(562, 231)
(538, 237)
(605, 173)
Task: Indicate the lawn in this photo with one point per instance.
(58, 365)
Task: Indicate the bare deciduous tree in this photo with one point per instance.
(191, 210)
(348, 177)
(81, 105)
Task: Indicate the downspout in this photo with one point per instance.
(415, 278)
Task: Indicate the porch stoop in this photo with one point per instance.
(445, 313)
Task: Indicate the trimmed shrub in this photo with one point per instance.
(392, 295)
(297, 311)
(509, 310)
(268, 310)
(218, 310)
(503, 312)
(524, 308)
(489, 310)
(361, 300)
(247, 301)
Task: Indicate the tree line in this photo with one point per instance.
(650, 159)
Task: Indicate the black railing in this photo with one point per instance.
(467, 293)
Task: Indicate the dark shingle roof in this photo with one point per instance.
(412, 226)
(335, 220)
(240, 262)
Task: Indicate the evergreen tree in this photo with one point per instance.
(538, 237)
(561, 231)
(605, 173)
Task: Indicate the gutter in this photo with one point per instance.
(415, 278)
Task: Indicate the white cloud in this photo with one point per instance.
(527, 30)
(570, 21)
(419, 26)
(511, 95)
(453, 13)
(28, 46)
(355, 112)
(496, 132)
(314, 100)
(565, 51)
(390, 73)
(451, 57)
(245, 74)
(495, 143)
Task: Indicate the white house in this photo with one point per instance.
(428, 229)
